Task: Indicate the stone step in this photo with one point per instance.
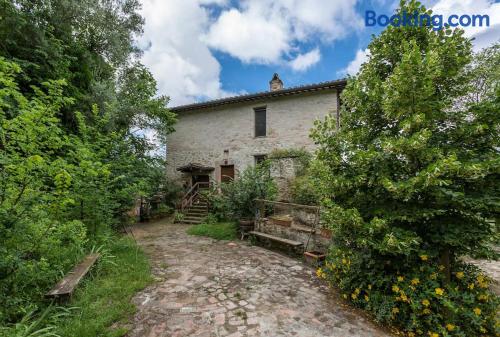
(199, 206)
(191, 222)
(194, 217)
(196, 210)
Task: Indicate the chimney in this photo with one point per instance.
(276, 83)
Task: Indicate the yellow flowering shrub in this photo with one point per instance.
(415, 297)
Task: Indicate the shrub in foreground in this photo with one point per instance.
(414, 294)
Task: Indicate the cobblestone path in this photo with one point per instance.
(219, 288)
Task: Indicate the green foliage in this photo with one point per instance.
(303, 191)
(210, 219)
(74, 106)
(178, 216)
(419, 299)
(122, 270)
(484, 72)
(236, 199)
(301, 158)
(409, 172)
(108, 293)
(218, 231)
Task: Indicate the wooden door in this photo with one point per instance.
(226, 173)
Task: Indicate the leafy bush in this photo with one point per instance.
(211, 219)
(303, 191)
(178, 216)
(414, 294)
(408, 175)
(218, 231)
(219, 203)
(236, 199)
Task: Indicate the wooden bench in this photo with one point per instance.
(67, 285)
(290, 243)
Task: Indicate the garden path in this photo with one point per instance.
(215, 288)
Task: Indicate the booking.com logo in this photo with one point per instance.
(416, 19)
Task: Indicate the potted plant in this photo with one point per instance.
(253, 183)
(326, 233)
(314, 258)
(282, 220)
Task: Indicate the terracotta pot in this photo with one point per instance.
(281, 222)
(314, 258)
(326, 233)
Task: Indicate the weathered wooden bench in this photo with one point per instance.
(294, 245)
(67, 285)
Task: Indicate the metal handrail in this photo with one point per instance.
(189, 197)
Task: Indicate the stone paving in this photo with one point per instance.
(218, 288)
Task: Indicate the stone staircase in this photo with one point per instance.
(196, 213)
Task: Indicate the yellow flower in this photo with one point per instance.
(433, 276)
(357, 291)
(480, 278)
(404, 298)
(433, 334)
(320, 273)
(426, 303)
(395, 288)
(344, 261)
(395, 310)
(354, 296)
(460, 275)
(439, 291)
(483, 297)
(411, 334)
(367, 298)
(450, 327)
(400, 278)
(441, 267)
(415, 281)
(426, 311)
(483, 285)
(477, 311)
(369, 287)
(471, 286)
(424, 257)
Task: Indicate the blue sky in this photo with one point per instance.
(207, 49)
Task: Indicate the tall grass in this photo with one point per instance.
(101, 300)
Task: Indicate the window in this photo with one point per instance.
(259, 158)
(260, 122)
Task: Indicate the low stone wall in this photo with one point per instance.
(296, 232)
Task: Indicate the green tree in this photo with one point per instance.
(408, 174)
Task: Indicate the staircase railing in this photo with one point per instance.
(192, 194)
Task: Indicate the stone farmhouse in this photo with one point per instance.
(216, 140)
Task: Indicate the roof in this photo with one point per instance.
(337, 84)
(194, 167)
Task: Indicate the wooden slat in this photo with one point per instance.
(71, 280)
(275, 238)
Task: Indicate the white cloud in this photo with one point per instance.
(354, 66)
(304, 61)
(268, 31)
(248, 36)
(483, 36)
(180, 61)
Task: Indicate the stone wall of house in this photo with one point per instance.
(283, 170)
(225, 135)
